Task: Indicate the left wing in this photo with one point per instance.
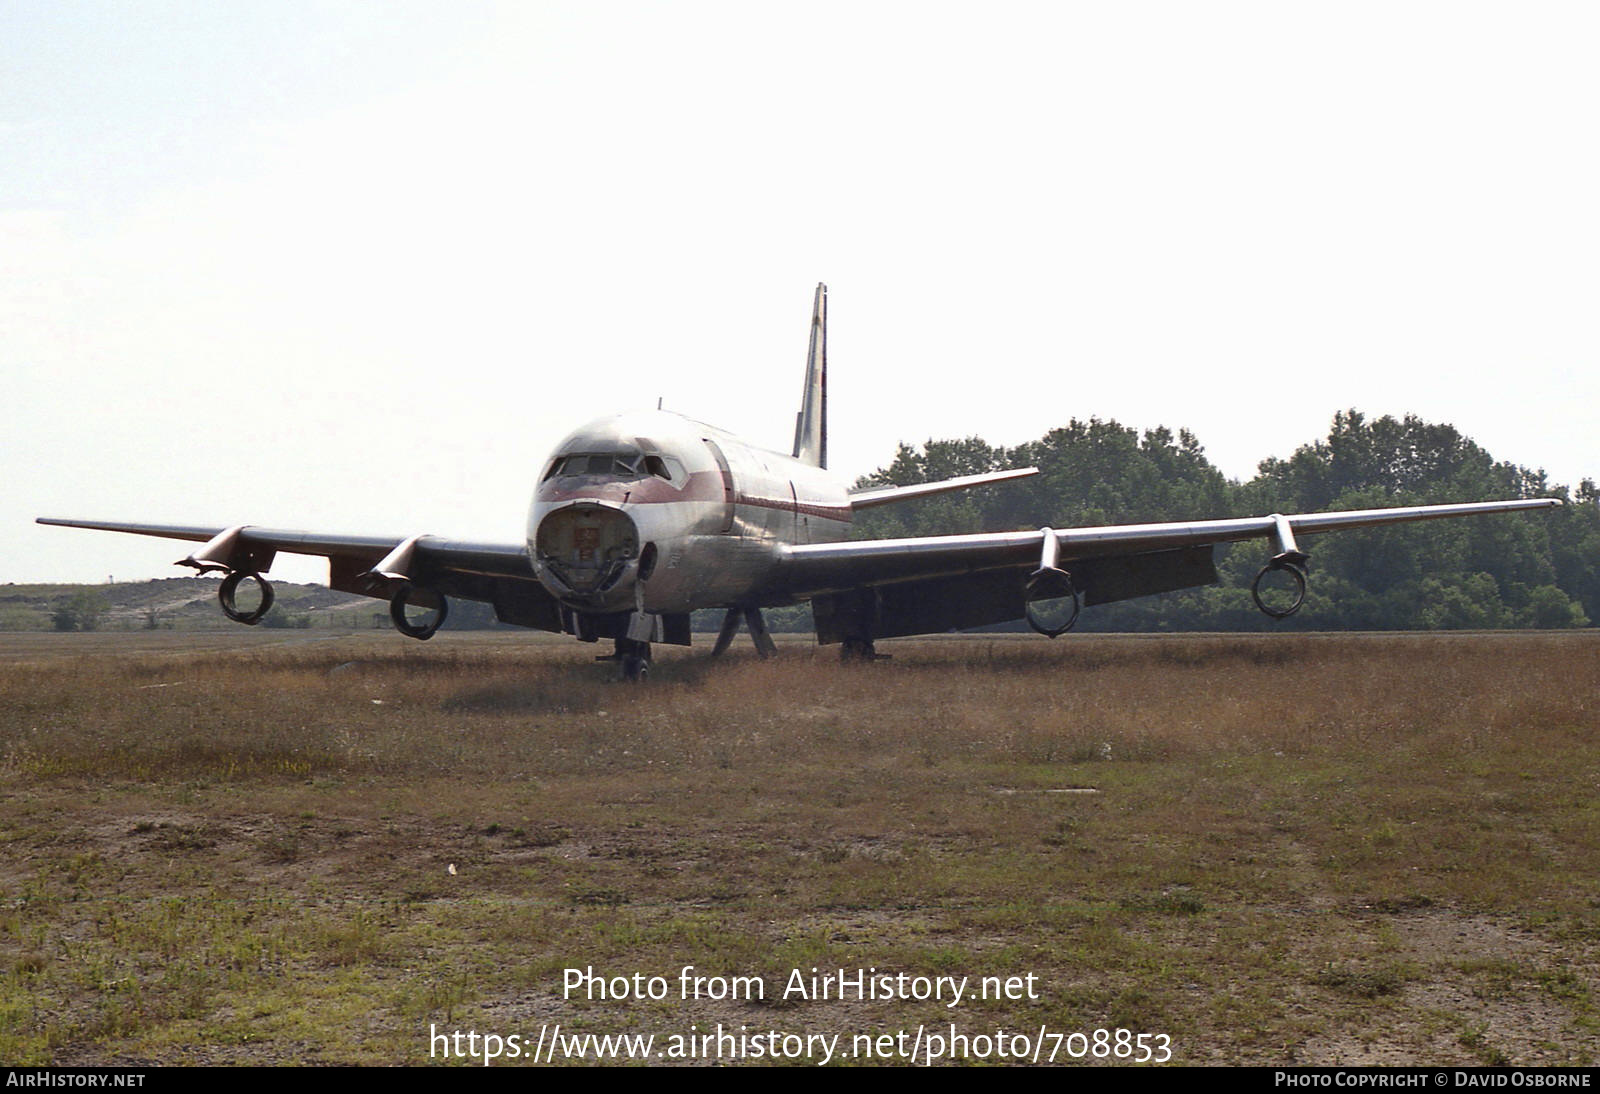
(375, 566)
(924, 585)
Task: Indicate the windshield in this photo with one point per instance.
(622, 467)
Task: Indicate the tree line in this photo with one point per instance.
(1515, 570)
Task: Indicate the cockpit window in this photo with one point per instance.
(667, 467)
(623, 467)
(591, 464)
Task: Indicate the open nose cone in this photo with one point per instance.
(587, 549)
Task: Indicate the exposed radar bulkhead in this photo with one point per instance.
(585, 550)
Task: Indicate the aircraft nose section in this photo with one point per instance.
(588, 552)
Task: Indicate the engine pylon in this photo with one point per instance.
(1050, 598)
(1290, 560)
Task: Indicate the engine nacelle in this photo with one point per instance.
(426, 629)
(1293, 564)
(230, 586)
(1051, 601)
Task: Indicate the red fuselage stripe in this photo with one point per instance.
(789, 505)
(702, 486)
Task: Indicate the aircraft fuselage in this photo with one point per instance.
(653, 512)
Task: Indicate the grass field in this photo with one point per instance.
(272, 848)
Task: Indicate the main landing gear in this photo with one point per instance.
(634, 657)
(757, 624)
(860, 649)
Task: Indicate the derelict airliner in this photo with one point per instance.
(640, 519)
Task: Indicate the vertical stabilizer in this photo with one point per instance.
(811, 424)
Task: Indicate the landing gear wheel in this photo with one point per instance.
(857, 649)
(635, 660)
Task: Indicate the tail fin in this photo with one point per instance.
(811, 424)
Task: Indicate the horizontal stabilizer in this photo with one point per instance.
(884, 495)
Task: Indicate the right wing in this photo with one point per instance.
(925, 585)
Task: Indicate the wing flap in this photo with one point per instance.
(919, 607)
(932, 605)
(1124, 577)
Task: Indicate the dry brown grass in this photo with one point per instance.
(1305, 848)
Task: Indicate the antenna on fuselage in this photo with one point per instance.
(811, 424)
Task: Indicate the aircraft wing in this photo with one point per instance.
(497, 574)
(939, 583)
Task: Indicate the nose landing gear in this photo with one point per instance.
(634, 657)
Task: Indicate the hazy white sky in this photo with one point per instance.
(358, 266)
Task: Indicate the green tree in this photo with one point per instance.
(1496, 571)
(82, 611)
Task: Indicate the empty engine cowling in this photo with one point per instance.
(1051, 601)
(405, 595)
(230, 608)
(1282, 602)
